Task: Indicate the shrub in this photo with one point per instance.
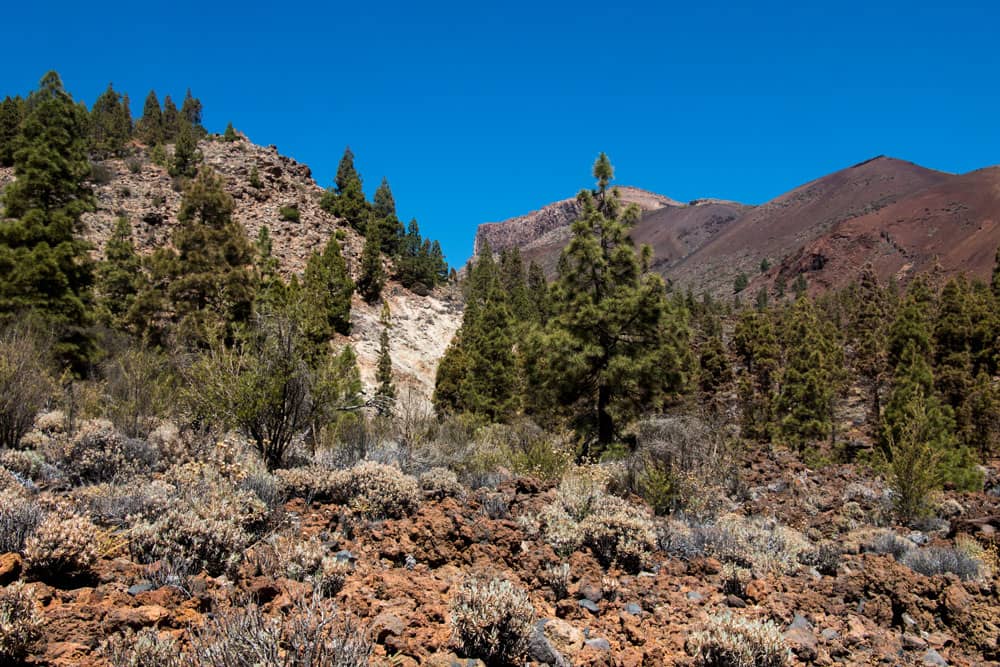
(20, 624)
(441, 483)
(825, 558)
(98, 452)
(138, 390)
(377, 491)
(145, 648)
(733, 641)
(26, 464)
(308, 560)
(311, 633)
(761, 545)
(561, 532)
(101, 174)
(310, 483)
(289, 213)
(619, 532)
(942, 560)
(557, 577)
(19, 518)
(581, 489)
(25, 385)
(254, 178)
(887, 542)
(492, 620)
(134, 165)
(62, 545)
(122, 505)
(208, 523)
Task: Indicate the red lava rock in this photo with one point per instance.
(10, 568)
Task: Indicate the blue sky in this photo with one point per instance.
(480, 111)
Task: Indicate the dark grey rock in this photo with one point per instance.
(932, 657)
(589, 605)
(540, 649)
(141, 587)
(633, 608)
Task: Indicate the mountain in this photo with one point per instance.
(900, 216)
(144, 192)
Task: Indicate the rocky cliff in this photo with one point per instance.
(150, 198)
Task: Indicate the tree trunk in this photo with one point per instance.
(605, 426)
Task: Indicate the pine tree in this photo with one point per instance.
(372, 278)
(390, 228)
(191, 112)
(756, 344)
(186, 156)
(12, 112)
(995, 281)
(913, 390)
(514, 284)
(385, 395)
(538, 293)
(230, 133)
(207, 276)
(870, 341)
(715, 371)
(479, 372)
(910, 327)
(149, 129)
(614, 346)
(326, 295)
(347, 199)
(171, 120)
(110, 124)
(119, 275)
(271, 289)
(45, 269)
(810, 381)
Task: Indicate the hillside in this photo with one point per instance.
(145, 193)
(900, 216)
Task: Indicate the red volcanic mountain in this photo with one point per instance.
(901, 217)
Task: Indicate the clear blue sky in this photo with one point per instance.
(480, 111)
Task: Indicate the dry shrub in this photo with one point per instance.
(885, 541)
(762, 545)
(492, 620)
(208, 523)
(124, 504)
(557, 577)
(619, 532)
(734, 641)
(377, 491)
(309, 560)
(146, 648)
(25, 464)
(62, 545)
(582, 488)
(682, 464)
(311, 483)
(441, 483)
(25, 384)
(98, 452)
(20, 624)
(20, 516)
(312, 635)
(930, 561)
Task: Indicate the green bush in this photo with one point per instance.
(289, 213)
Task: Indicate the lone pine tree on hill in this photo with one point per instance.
(614, 346)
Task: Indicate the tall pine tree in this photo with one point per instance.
(149, 129)
(385, 394)
(45, 269)
(372, 278)
(12, 111)
(110, 124)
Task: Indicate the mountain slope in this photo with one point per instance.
(145, 193)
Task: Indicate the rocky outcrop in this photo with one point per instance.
(150, 198)
(525, 229)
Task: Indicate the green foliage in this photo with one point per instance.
(765, 265)
(202, 286)
(420, 264)
(265, 387)
(149, 129)
(347, 198)
(12, 113)
(289, 213)
(372, 278)
(614, 346)
(270, 287)
(45, 269)
(538, 293)
(186, 155)
(119, 276)
(110, 123)
(326, 295)
(230, 133)
(914, 458)
(740, 283)
(385, 395)
(254, 178)
(869, 337)
(800, 286)
(756, 344)
(390, 229)
(191, 113)
(171, 120)
(715, 371)
(478, 374)
(25, 383)
(811, 378)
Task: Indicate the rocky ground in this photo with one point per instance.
(853, 607)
